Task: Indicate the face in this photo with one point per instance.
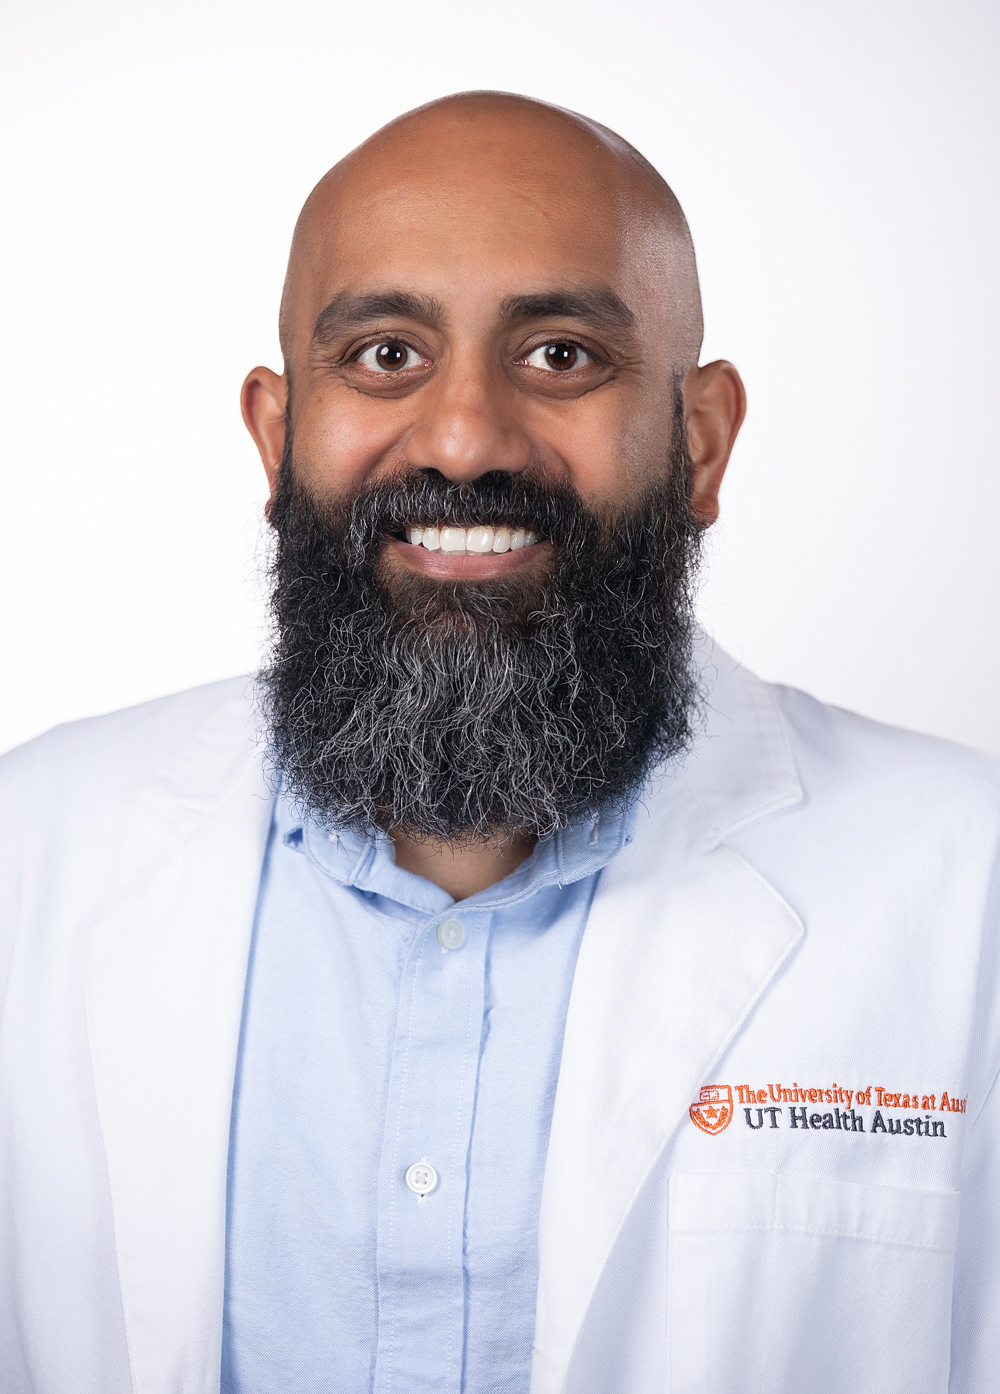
(464, 312)
(488, 502)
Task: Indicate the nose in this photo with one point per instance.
(467, 426)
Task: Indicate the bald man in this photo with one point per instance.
(506, 991)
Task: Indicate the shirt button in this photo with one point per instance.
(421, 1178)
(451, 934)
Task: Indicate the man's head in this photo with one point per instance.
(491, 317)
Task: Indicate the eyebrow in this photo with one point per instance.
(599, 306)
(350, 310)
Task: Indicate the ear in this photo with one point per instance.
(715, 403)
(263, 401)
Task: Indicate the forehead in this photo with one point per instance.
(479, 219)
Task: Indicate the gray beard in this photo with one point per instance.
(469, 711)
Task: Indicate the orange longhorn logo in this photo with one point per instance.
(714, 1110)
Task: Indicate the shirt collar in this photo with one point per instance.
(367, 863)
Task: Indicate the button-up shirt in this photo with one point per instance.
(394, 1089)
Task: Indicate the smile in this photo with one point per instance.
(476, 541)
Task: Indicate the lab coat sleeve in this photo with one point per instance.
(975, 1338)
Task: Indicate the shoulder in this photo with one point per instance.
(105, 758)
(881, 800)
(84, 806)
(767, 749)
(841, 750)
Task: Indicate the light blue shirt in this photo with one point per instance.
(371, 1052)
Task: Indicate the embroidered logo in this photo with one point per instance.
(805, 1109)
(714, 1109)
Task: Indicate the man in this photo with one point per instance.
(514, 993)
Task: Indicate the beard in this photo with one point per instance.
(465, 711)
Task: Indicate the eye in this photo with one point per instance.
(389, 357)
(558, 357)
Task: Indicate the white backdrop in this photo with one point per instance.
(838, 166)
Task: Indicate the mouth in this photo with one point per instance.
(470, 552)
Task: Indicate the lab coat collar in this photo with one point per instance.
(741, 767)
(165, 981)
(677, 908)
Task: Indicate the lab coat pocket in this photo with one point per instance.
(782, 1283)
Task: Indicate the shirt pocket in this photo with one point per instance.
(782, 1283)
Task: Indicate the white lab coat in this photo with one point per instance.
(805, 906)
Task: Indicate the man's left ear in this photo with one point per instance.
(715, 403)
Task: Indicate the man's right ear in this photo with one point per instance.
(263, 401)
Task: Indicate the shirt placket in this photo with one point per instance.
(422, 1176)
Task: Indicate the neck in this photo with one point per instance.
(462, 870)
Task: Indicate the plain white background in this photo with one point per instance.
(838, 166)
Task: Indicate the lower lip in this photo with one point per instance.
(466, 566)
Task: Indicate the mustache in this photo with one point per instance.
(657, 522)
(427, 498)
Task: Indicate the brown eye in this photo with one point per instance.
(392, 356)
(558, 357)
(389, 357)
(561, 356)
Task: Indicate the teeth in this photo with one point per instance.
(477, 541)
(453, 539)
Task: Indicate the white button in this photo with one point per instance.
(421, 1178)
(451, 934)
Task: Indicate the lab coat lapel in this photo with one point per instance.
(682, 939)
(166, 974)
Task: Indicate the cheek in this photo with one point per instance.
(607, 451)
(342, 437)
